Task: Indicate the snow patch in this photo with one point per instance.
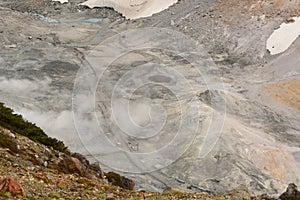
(133, 9)
(282, 38)
(62, 1)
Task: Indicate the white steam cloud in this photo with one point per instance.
(22, 85)
(58, 125)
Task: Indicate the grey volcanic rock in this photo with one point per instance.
(44, 44)
(290, 193)
(119, 180)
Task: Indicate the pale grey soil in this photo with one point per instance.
(44, 44)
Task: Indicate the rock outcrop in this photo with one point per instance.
(119, 180)
(10, 185)
(71, 165)
(291, 193)
(81, 158)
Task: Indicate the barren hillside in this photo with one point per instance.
(188, 98)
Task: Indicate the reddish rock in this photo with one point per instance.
(42, 176)
(10, 185)
(81, 158)
(71, 165)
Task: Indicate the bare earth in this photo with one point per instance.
(44, 44)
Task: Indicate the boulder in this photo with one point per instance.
(96, 167)
(10, 185)
(41, 176)
(291, 193)
(119, 180)
(81, 158)
(290, 20)
(71, 165)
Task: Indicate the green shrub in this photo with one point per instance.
(6, 142)
(16, 123)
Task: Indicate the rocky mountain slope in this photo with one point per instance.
(44, 44)
(30, 170)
